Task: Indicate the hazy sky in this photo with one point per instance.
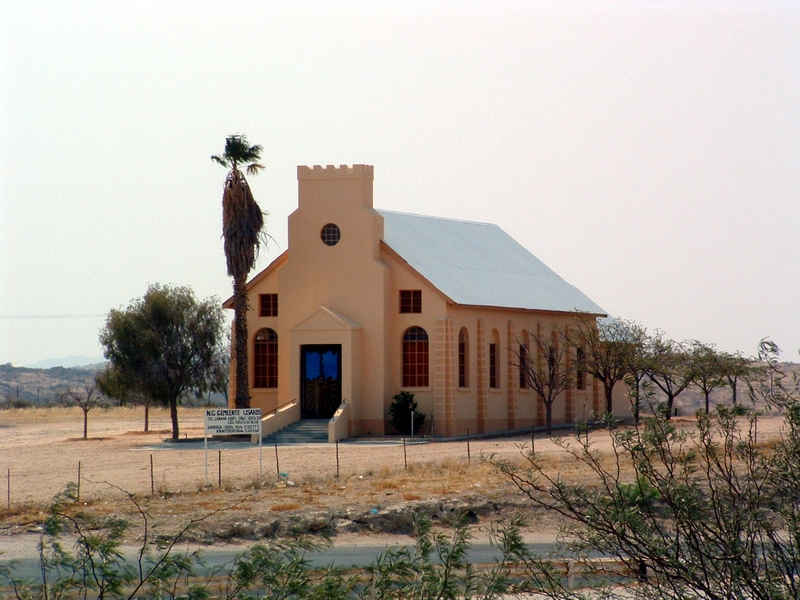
(648, 153)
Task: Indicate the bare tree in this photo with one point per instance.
(87, 397)
(547, 373)
(607, 347)
(636, 378)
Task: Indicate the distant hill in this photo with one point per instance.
(44, 386)
(67, 362)
(41, 386)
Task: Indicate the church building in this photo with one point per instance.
(367, 303)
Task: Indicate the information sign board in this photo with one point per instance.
(227, 421)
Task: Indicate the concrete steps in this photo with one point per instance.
(305, 431)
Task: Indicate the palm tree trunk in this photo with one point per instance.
(242, 393)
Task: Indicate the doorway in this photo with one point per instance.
(320, 380)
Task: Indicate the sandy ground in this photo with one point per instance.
(41, 449)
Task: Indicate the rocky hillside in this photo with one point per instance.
(25, 386)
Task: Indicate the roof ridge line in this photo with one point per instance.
(413, 214)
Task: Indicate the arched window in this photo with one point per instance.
(463, 358)
(415, 357)
(266, 359)
(580, 366)
(494, 360)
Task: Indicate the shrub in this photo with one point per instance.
(400, 413)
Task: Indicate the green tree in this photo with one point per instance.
(669, 368)
(735, 367)
(708, 369)
(242, 222)
(164, 344)
(222, 369)
(112, 384)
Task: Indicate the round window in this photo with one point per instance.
(330, 234)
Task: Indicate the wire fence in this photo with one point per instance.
(170, 468)
(34, 470)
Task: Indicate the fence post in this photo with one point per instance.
(9, 488)
(277, 464)
(152, 480)
(219, 467)
(405, 459)
(337, 459)
(79, 481)
(469, 456)
(531, 440)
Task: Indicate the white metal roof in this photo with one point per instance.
(480, 264)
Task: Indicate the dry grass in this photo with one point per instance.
(386, 485)
(284, 507)
(60, 414)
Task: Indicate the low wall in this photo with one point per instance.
(280, 418)
(339, 425)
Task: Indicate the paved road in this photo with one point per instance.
(27, 565)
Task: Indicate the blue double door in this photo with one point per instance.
(320, 380)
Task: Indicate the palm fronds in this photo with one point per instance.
(239, 151)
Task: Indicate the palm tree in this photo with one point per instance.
(242, 221)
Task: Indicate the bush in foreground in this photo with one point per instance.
(708, 514)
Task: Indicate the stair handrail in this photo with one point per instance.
(275, 410)
(279, 417)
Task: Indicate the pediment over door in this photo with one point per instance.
(325, 319)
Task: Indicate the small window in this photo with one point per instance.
(410, 301)
(580, 375)
(268, 305)
(330, 234)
